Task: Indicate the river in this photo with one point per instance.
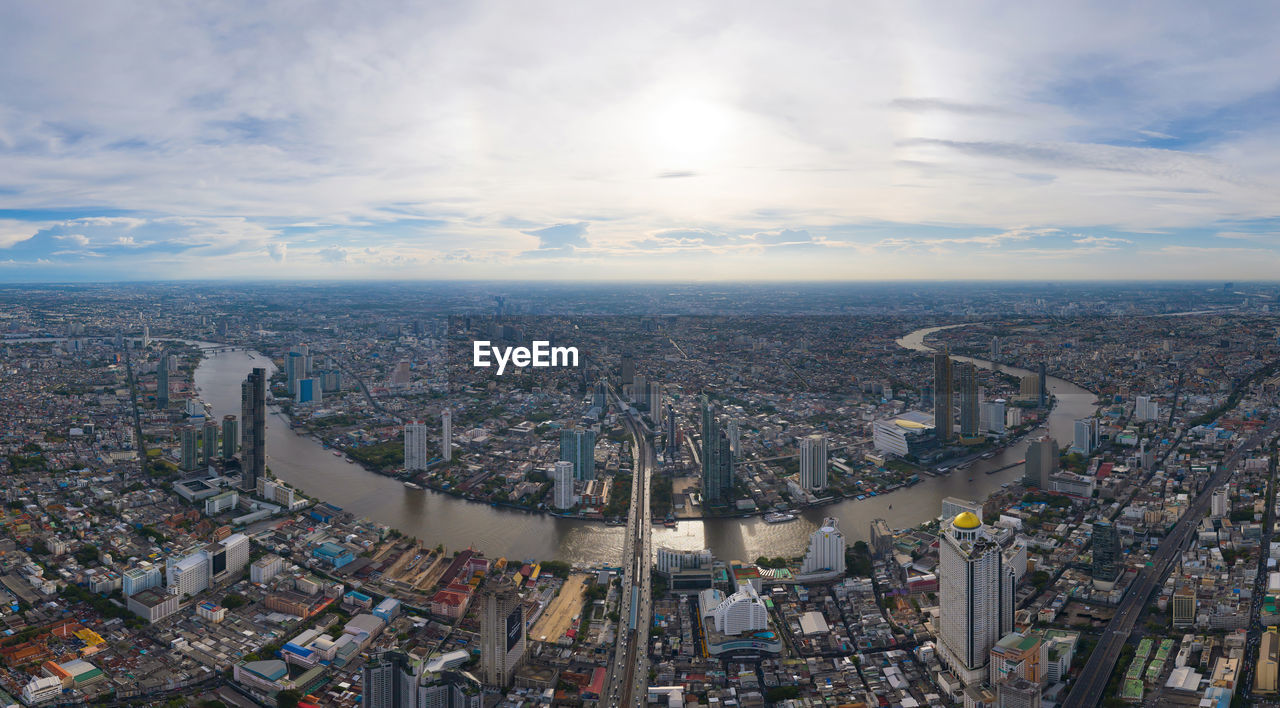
(438, 518)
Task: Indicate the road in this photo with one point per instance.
(628, 678)
(1088, 689)
(1259, 587)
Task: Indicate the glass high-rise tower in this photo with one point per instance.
(717, 459)
(253, 430)
(942, 396)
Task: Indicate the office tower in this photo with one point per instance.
(717, 459)
(146, 336)
(628, 373)
(162, 381)
(446, 435)
(563, 478)
(1044, 386)
(991, 416)
(1220, 503)
(230, 436)
(813, 462)
(389, 682)
(1105, 544)
(502, 635)
(600, 396)
(1086, 436)
(1029, 387)
(995, 348)
(968, 399)
(190, 448)
(209, 441)
(639, 388)
(942, 396)
(735, 437)
(1042, 461)
(253, 430)
(415, 446)
(826, 549)
(579, 447)
(1184, 606)
(976, 597)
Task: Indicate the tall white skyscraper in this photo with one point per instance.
(826, 549)
(563, 492)
(1220, 503)
(813, 462)
(976, 597)
(446, 435)
(735, 438)
(415, 446)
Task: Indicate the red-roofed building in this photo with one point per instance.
(1104, 470)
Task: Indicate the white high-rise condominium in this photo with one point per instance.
(826, 549)
(976, 597)
(415, 446)
(446, 435)
(563, 484)
(813, 462)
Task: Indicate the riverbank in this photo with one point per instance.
(301, 461)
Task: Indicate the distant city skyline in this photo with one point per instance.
(556, 141)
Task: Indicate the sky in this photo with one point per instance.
(639, 141)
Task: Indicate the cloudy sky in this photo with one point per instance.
(640, 141)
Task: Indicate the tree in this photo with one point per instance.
(288, 699)
(233, 600)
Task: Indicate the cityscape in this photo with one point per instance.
(1013, 495)
(655, 355)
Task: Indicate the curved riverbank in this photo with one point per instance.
(301, 461)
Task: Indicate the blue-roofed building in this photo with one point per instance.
(388, 609)
(333, 554)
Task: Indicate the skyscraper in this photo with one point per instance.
(717, 459)
(628, 373)
(415, 446)
(230, 437)
(1044, 386)
(976, 597)
(190, 448)
(162, 381)
(294, 365)
(446, 435)
(502, 635)
(1042, 461)
(968, 399)
(813, 462)
(253, 430)
(579, 447)
(389, 682)
(826, 549)
(735, 437)
(1105, 544)
(563, 479)
(209, 441)
(942, 396)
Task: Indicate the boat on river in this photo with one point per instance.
(777, 517)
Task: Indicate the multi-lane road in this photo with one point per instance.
(629, 672)
(1093, 680)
